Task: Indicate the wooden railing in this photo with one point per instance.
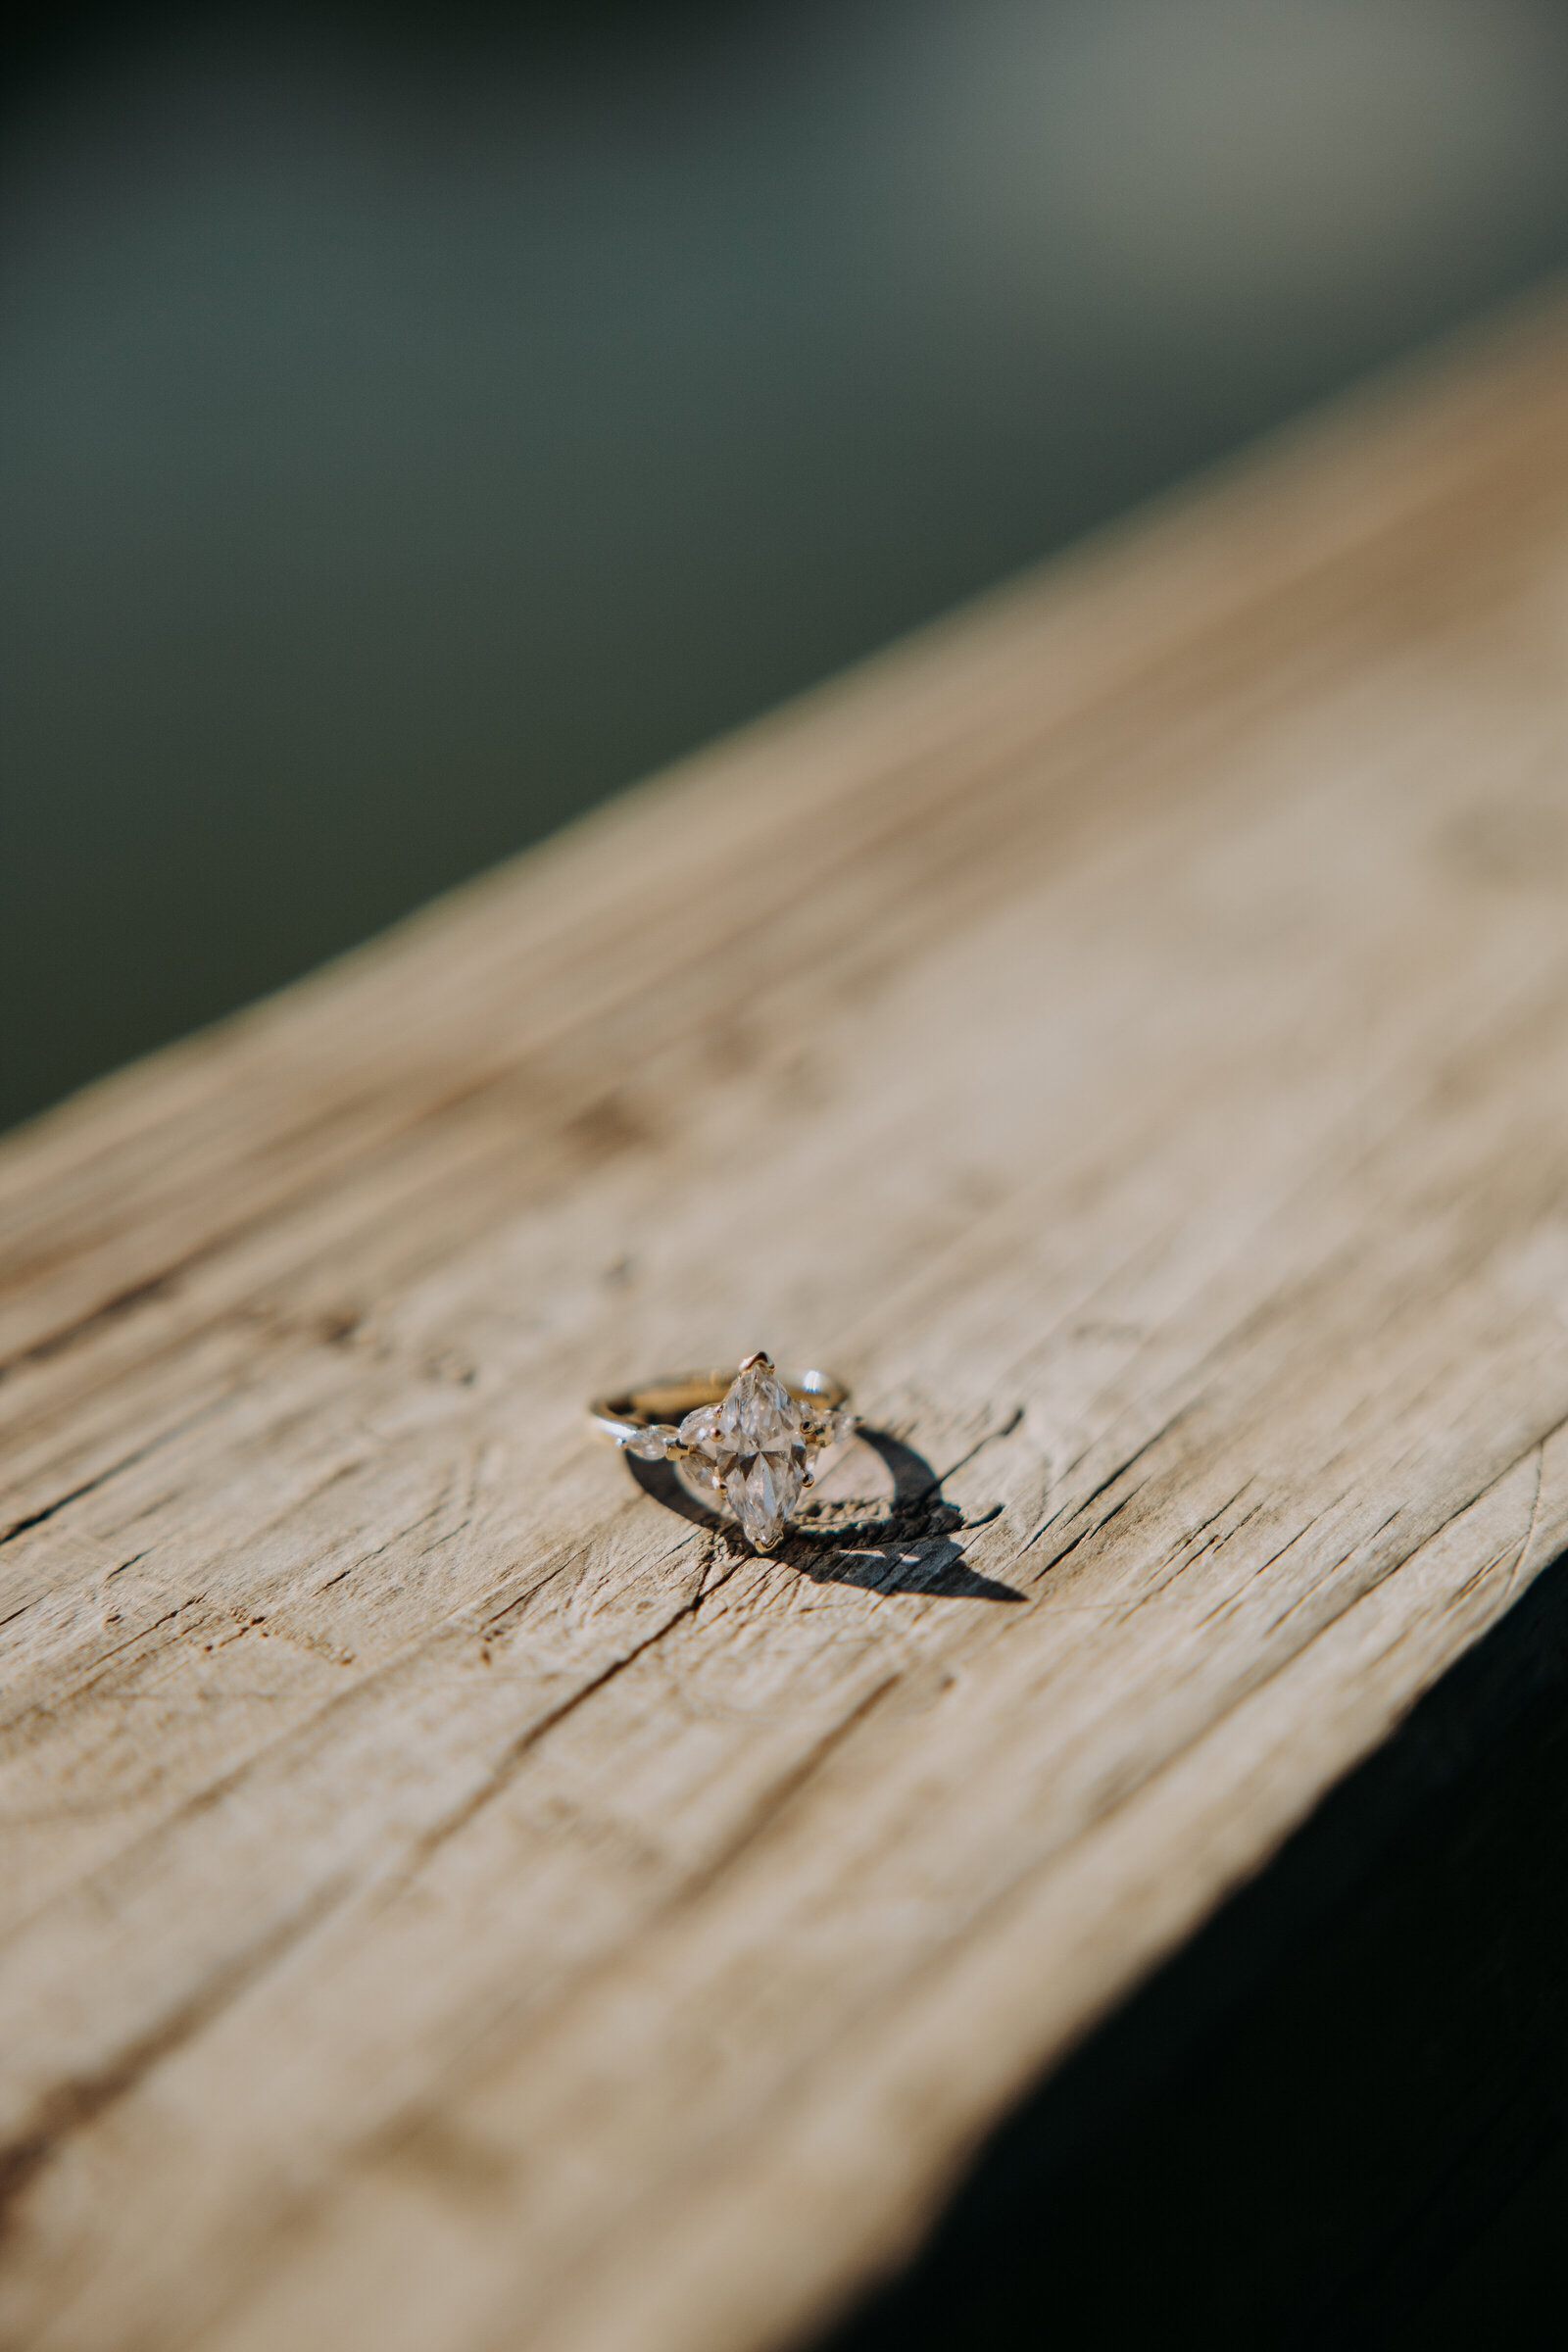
(455, 1900)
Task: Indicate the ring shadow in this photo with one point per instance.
(908, 1548)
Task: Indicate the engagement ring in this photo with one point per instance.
(747, 1443)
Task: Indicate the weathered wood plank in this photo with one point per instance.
(452, 1900)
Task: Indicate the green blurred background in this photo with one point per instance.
(417, 423)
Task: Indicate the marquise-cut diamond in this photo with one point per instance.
(825, 1426)
(653, 1445)
(759, 1452)
(699, 1462)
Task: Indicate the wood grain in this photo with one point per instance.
(452, 1900)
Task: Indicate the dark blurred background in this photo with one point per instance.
(418, 421)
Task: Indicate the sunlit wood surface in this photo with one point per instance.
(452, 1902)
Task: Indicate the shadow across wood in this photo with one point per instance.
(1300, 2126)
(910, 1546)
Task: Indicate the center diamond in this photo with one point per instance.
(752, 1450)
